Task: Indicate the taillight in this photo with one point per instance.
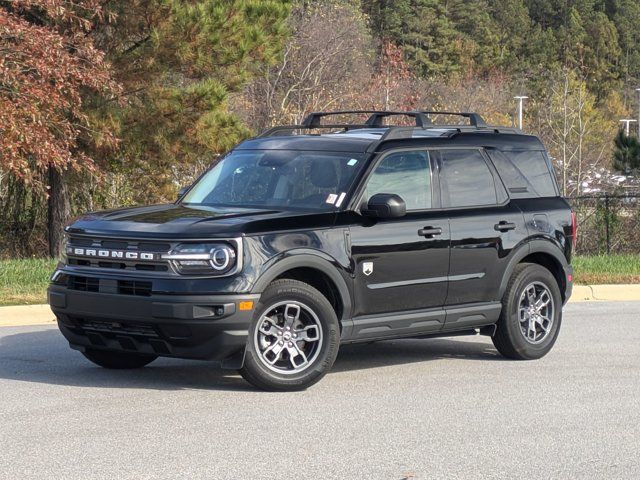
(574, 230)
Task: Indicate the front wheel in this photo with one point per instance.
(293, 339)
(531, 314)
(118, 360)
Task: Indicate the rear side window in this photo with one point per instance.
(465, 179)
(525, 173)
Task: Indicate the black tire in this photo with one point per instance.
(287, 290)
(118, 360)
(509, 339)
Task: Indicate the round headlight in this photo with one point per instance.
(221, 257)
(203, 259)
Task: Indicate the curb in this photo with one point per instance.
(25, 315)
(609, 293)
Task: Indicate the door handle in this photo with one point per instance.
(503, 226)
(430, 232)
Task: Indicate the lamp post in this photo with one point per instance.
(520, 99)
(627, 122)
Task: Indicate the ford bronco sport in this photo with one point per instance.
(315, 235)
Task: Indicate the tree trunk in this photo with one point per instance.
(58, 211)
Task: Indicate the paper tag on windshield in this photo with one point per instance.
(352, 162)
(331, 198)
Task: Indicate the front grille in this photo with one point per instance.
(121, 287)
(134, 287)
(84, 284)
(122, 247)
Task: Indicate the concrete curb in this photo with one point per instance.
(610, 293)
(24, 315)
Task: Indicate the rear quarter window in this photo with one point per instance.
(525, 173)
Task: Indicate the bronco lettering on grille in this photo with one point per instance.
(112, 254)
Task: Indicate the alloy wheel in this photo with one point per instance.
(536, 312)
(288, 337)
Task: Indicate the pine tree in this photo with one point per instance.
(179, 63)
(626, 155)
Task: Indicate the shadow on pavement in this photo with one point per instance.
(43, 356)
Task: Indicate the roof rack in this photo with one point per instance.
(475, 120)
(376, 118)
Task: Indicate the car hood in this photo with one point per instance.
(190, 222)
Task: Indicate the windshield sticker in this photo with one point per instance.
(331, 198)
(352, 162)
(340, 199)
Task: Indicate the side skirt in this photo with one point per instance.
(448, 321)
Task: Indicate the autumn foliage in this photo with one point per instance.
(48, 64)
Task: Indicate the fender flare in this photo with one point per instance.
(534, 246)
(325, 265)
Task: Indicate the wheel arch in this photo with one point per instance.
(541, 253)
(320, 273)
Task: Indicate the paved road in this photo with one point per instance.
(421, 409)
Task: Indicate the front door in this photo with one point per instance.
(401, 264)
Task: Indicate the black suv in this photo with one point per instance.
(314, 235)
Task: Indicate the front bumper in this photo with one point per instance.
(208, 327)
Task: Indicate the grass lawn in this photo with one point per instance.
(24, 282)
(607, 269)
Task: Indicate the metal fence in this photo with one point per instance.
(607, 224)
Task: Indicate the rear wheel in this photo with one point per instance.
(531, 314)
(293, 339)
(118, 360)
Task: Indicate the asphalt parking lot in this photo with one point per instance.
(440, 408)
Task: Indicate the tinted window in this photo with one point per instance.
(525, 173)
(466, 179)
(407, 174)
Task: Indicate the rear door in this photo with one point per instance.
(485, 227)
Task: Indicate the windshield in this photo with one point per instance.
(278, 178)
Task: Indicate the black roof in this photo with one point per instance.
(373, 136)
(352, 142)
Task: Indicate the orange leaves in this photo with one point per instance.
(47, 66)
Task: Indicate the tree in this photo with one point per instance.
(626, 154)
(180, 64)
(577, 133)
(326, 64)
(48, 63)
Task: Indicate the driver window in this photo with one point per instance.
(407, 174)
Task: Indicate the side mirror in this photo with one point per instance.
(385, 205)
(181, 192)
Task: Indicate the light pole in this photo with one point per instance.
(520, 99)
(638, 90)
(627, 122)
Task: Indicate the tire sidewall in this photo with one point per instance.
(533, 273)
(329, 325)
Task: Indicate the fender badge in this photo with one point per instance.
(367, 268)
